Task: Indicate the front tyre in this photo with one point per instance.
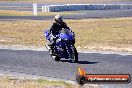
(74, 55)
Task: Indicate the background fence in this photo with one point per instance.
(76, 7)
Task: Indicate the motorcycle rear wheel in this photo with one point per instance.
(55, 57)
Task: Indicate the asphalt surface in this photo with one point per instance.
(41, 64)
(78, 15)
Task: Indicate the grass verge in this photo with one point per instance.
(90, 33)
(13, 82)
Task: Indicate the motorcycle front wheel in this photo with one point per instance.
(74, 55)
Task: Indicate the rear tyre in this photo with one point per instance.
(56, 58)
(54, 55)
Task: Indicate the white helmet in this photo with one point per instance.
(58, 17)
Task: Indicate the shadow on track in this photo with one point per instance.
(86, 62)
(80, 62)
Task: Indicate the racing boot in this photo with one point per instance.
(52, 52)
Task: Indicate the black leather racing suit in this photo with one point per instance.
(55, 29)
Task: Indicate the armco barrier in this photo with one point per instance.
(82, 6)
(98, 7)
(75, 7)
(124, 6)
(107, 7)
(72, 7)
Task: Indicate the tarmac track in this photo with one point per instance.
(80, 15)
(41, 64)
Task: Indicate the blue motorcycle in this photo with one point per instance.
(64, 46)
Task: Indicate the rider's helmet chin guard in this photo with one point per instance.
(58, 18)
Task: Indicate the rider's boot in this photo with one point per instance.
(51, 48)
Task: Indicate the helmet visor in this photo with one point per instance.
(59, 20)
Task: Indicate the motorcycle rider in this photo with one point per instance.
(56, 27)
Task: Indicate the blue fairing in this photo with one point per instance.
(46, 34)
(66, 36)
(64, 40)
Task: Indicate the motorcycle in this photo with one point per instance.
(64, 46)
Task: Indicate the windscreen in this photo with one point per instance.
(65, 31)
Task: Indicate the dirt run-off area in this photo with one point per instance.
(91, 34)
